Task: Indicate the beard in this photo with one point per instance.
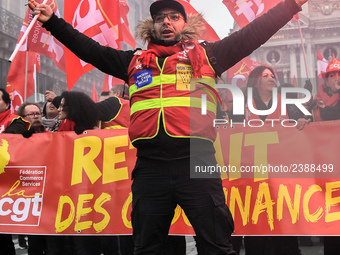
(36, 123)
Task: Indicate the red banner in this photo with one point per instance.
(277, 180)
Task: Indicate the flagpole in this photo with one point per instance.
(303, 48)
(35, 83)
(29, 28)
(26, 76)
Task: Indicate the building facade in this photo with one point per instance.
(320, 29)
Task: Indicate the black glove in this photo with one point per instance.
(308, 86)
(28, 133)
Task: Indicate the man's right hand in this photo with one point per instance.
(50, 95)
(44, 11)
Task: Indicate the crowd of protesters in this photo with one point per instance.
(160, 114)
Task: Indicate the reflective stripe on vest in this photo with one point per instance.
(171, 102)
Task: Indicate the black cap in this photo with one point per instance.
(155, 7)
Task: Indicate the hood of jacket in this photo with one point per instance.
(193, 30)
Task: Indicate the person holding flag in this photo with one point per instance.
(328, 96)
(166, 84)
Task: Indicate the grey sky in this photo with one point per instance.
(216, 14)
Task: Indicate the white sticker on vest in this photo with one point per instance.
(143, 78)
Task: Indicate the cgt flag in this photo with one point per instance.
(21, 74)
(245, 11)
(40, 40)
(238, 74)
(100, 20)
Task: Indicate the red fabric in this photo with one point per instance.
(194, 55)
(94, 95)
(238, 74)
(66, 125)
(124, 32)
(110, 81)
(245, 12)
(122, 119)
(16, 77)
(6, 119)
(100, 20)
(210, 34)
(323, 99)
(40, 40)
(179, 121)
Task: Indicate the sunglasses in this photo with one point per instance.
(172, 16)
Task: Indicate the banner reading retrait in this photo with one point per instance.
(278, 181)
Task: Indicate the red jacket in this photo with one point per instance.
(7, 118)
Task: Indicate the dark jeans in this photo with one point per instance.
(331, 245)
(158, 186)
(6, 245)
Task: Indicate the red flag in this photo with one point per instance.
(124, 32)
(94, 96)
(110, 81)
(16, 77)
(294, 83)
(238, 74)
(40, 40)
(98, 19)
(210, 34)
(244, 12)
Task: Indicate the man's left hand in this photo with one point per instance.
(300, 2)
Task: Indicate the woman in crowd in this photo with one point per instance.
(263, 80)
(77, 111)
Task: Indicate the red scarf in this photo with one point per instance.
(193, 53)
(323, 99)
(4, 115)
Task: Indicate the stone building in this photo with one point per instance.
(320, 27)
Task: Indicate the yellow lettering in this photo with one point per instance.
(83, 211)
(18, 193)
(103, 198)
(235, 197)
(318, 213)
(125, 208)
(260, 141)
(332, 201)
(267, 205)
(111, 158)
(235, 152)
(60, 226)
(293, 209)
(86, 161)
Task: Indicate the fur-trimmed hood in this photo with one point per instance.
(193, 30)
